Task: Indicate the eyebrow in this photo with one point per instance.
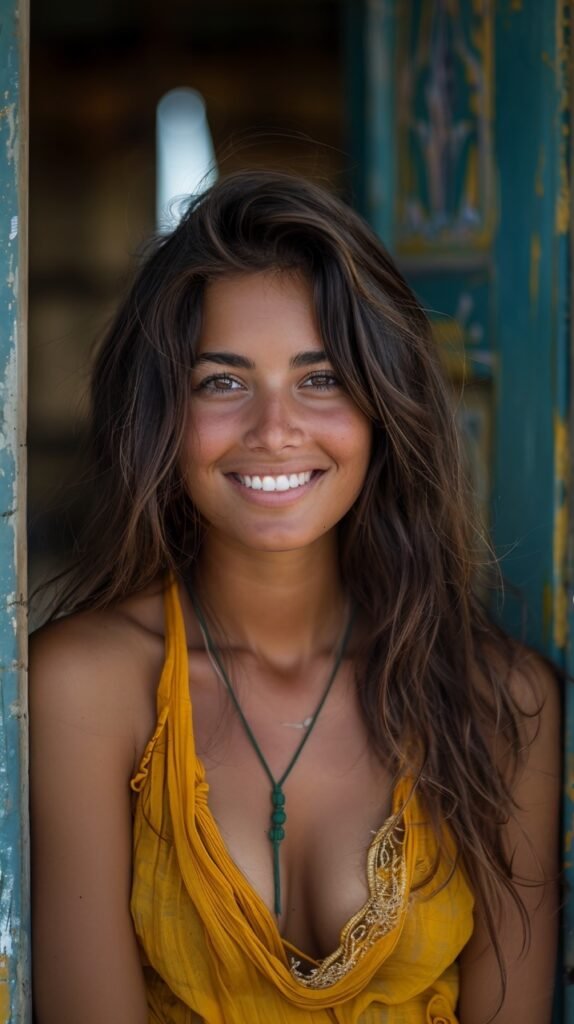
(241, 363)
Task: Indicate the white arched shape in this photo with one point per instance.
(185, 157)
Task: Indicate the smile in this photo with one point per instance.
(275, 483)
(270, 491)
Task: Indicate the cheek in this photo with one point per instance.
(352, 438)
(207, 435)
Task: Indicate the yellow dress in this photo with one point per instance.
(211, 949)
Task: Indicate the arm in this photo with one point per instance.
(85, 957)
(531, 837)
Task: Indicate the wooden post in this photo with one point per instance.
(15, 998)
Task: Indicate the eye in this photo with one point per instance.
(220, 383)
(321, 381)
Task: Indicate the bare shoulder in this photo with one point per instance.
(93, 678)
(529, 837)
(534, 687)
(99, 669)
(533, 682)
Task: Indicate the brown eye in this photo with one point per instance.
(321, 381)
(219, 382)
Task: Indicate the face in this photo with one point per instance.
(276, 452)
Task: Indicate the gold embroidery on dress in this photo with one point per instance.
(387, 881)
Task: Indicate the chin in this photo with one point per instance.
(280, 540)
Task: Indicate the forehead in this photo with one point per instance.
(271, 308)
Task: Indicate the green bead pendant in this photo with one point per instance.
(276, 835)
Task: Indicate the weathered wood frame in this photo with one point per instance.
(15, 989)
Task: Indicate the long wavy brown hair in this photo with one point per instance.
(433, 681)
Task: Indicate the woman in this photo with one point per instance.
(344, 778)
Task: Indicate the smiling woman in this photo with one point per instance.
(274, 411)
(284, 765)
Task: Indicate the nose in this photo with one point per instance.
(274, 425)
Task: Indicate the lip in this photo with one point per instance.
(276, 470)
(274, 499)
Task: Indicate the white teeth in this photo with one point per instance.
(276, 483)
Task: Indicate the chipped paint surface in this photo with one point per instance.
(532, 264)
(14, 847)
(560, 635)
(539, 180)
(561, 527)
(535, 255)
(563, 198)
(561, 450)
(10, 115)
(531, 274)
(4, 988)
(563, 521)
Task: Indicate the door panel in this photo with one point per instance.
(460, 132)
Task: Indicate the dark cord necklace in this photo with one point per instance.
(278, 814)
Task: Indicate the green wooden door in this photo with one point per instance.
(459, 128)
(15, 1003)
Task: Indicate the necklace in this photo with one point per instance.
(299, 725)
(276, 832)
(215, 666)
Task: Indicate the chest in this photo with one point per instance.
(337, 795)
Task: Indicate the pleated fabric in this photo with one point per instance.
(211, 949)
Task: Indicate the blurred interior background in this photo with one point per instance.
(272, 76)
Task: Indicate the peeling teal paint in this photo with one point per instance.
(532, 498)
(480, 217)
(14, 845)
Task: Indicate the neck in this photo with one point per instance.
(282, 606)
